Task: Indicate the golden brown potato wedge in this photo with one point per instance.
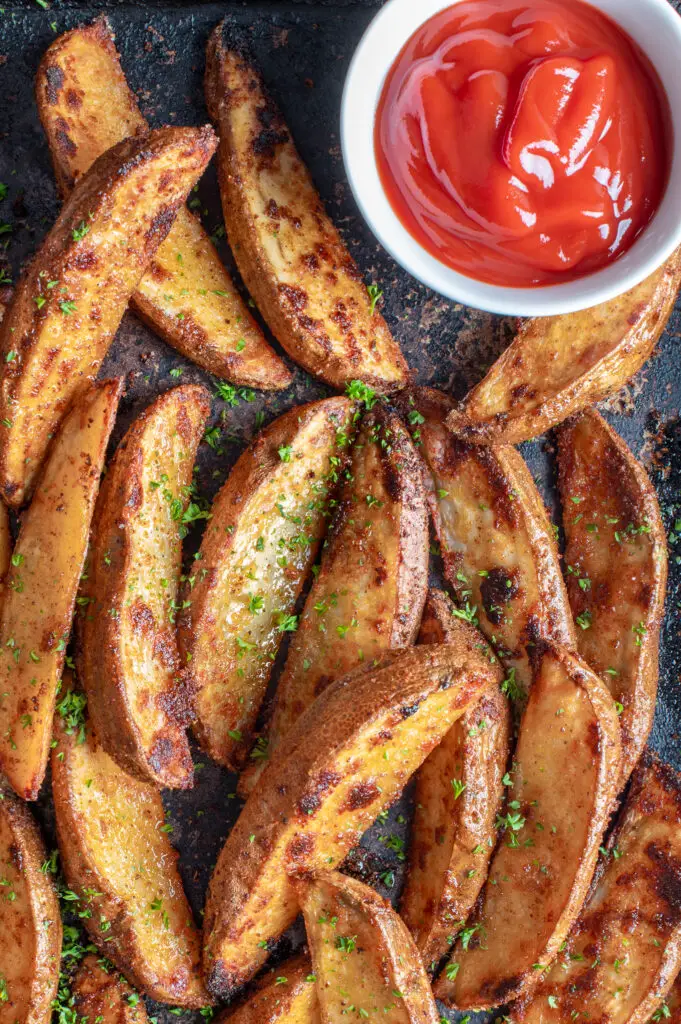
(616, 558)
(129, 660)
(186, 294)
(68, 305)
(41, 587)
(30, 923)
(457, 799)
(565, 778)
(498, 547)
(5, 546)
(557, 365)
(364, 958)
(369, 593)
(625, 949)
(670, 1007)
(287, 994)
(345, 760)
(102, 996)
(267, 523)
(118, 859)
(289, 253)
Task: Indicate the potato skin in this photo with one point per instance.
(267, 523)
(345, 759)
(104, 996)
(288, 251)
(58, 346)
(565, 776)
(208, 326)
(371, 587)
(116, 857)
(362, 953)
(30, 922)
(498, 547)
(128, 655)
(454, 832)
(292, 1000)
(35, 621)
(556, 366)
(616, 559)
(625, 950)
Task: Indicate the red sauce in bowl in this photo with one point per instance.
(523, 143)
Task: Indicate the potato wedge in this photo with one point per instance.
(457, 799)
(289, 253)
(616, 558)
(267, 523)
(498, 547)
(129, 660)
(287, 994)
(557, 365)
(104, 997)
(30, 923)
(362, 953)
(345, 760)
(625, 949)
(68, 305)
(41, 587)
(670, 1008)
(186, 295)
(565, 779)
(369, 593)
(119, 861)
(5, 547)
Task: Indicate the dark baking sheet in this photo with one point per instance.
(303, 47)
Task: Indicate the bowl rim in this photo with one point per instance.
(653, 24)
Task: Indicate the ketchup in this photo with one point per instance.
(523, 143)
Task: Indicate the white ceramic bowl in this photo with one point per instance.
(654, 25)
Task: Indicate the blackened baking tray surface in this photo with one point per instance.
(303, 49)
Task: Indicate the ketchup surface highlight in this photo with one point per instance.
(523, 143)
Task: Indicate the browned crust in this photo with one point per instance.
(369, 352)
(421, 692)
(119, 942)
(603, 361)
(102, 670)
(270, 1000)
(600, 480)
(104, 996)
(517, 503)
(29, 855)
(22, 328)
(466, 827)
(62, 98)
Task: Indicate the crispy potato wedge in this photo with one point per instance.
(104, 997)
(30, 923)
(129, 660)
(457, 799)
(557, 365)
(616, 557)
(498, 547)
(625, 949)
(120, 862)
(288, 251)
(363, 955)
(5, 546)
(670, 1007)
(565, 779)
(268, 521)
(345, 759)
(369, 593)
(287, 994)
(186, 295)
(68, 305)
(41, 587)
